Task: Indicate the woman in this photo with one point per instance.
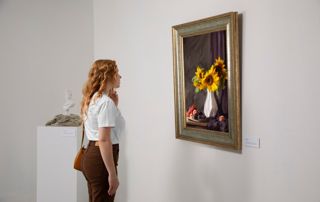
(103, 124)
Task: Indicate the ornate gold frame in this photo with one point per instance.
(227, 140)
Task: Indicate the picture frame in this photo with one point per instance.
(206, 72)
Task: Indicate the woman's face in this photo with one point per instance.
(117, 78)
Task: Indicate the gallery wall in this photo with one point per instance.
(280, 103)
(45, 48)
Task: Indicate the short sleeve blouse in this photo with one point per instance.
(103, 113)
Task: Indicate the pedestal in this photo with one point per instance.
(57, 180)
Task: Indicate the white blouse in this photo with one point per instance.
(103, 113)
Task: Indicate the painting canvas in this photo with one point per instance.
(204, 57)
(207, 81)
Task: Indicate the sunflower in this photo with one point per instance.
(220, 68)
(197, 79)
(200, 72)
(211, 79)
(198, 84)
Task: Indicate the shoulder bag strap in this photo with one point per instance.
(82, 134)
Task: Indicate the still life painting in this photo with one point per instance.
(207, 81)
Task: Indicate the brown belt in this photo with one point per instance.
(96, 143)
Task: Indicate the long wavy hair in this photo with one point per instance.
(101, 72)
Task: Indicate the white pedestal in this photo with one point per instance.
(57, 180)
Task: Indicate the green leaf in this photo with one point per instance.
(195, 79)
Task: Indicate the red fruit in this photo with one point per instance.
(191, 109)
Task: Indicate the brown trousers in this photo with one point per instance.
(96, 173)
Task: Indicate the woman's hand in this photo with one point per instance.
(113, 184)
(114, 96)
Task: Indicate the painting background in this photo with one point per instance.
(202, 50)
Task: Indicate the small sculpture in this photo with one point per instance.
(69, 103)
(66, 119)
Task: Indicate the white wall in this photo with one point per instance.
(46, 46)
(280, 103)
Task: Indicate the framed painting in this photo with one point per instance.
(207, 81)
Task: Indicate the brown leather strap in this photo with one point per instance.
(82, 134)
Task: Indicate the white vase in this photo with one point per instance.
(210, 105)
